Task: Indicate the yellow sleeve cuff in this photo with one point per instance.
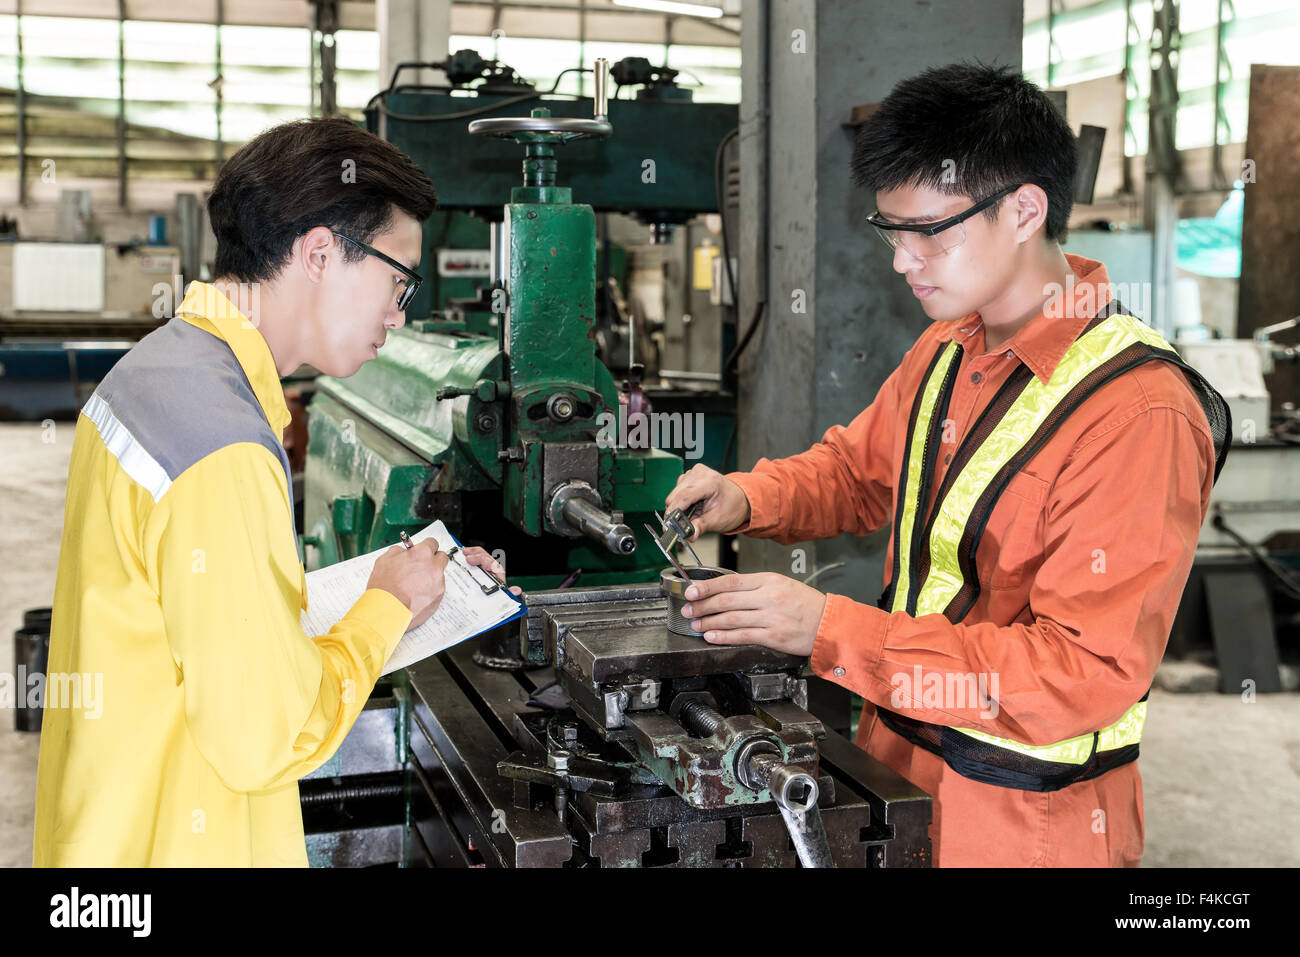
(384, 614)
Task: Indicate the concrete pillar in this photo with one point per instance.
(412, 30)
(804, 242)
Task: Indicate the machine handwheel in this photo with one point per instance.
(565, 127)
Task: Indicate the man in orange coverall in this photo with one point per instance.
(1045, 462)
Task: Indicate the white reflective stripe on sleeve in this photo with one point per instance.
(130, 454)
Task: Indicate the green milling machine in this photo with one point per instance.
(587, 734)
(489, 416)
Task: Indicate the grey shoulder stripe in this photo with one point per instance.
(130, 454)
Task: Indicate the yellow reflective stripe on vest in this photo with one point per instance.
(910, 505)
(1127, 730)
(1022, 420)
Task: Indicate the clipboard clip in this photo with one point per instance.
(456, 555)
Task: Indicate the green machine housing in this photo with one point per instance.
(494, 426)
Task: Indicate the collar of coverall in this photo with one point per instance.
(209, 309)
(1041, 343)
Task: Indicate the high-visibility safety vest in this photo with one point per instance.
(934, 560)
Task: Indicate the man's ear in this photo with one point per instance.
(1028, 205)
(313, 250)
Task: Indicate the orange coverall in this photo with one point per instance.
(1081, 569)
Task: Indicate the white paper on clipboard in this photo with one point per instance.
(465, 611)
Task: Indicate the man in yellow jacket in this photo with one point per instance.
(179, 580)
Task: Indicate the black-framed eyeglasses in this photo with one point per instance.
(923, 240)
(412, 279)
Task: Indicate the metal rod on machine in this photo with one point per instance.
(602, 86)
(596, 523)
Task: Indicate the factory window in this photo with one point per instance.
(174, 117)
(717, 68)
(70, 68)
(1068, 43)
(8, 53)
(168, 73)
(264, 78)
(70, 73)
(356, 68)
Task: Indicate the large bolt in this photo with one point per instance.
(560, 407)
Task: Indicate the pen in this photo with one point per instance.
(406, 540)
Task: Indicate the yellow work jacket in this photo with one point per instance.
(177, 604)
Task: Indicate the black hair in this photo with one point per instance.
(970, 129)
(303, 174)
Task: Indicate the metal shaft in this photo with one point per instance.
(539, 164)
(698, 717)
(602, 86)
(595, 522)
(360, 793)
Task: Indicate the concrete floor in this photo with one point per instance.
(33, 474)
(1222, 777)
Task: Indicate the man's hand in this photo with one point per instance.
(413, 576)
(724, 506)
(478, 556)
(759, 609)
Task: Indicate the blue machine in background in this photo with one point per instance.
(52, 378)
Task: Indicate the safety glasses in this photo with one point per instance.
(927, 240)
(412, 280)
